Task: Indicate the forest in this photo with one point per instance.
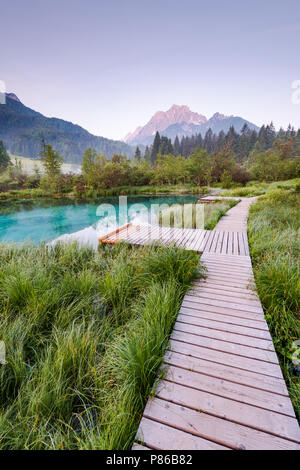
(230, 160)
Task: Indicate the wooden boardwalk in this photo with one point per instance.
(214, 241)
(222, 386)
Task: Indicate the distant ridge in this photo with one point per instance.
(181, 121)
(22, 130)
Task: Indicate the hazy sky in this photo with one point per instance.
(108, 65)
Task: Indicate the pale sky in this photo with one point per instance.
(109, 65)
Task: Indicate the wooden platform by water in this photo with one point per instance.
(223, 387)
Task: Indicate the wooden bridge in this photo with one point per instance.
(223, 387)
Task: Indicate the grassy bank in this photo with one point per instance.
(84, 338)
(92, 194)
(274, 237)
(258, 188)
(207, 217)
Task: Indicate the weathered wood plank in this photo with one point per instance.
(228, 336)
(223, 371)
(247, 415)
(222, 357)
(228, 389)
(225, 318)
(224, 346)
(162, 437)
(204, 425)
(226, 327)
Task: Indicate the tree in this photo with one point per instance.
(176, 146)
(51, 161)
(166, 146)
(155, 148)
(91, 167)
(223, 160)
(4, 157)
(199, 167)
(138, 154)
(226, 179)
(147, 155)
(285, 148)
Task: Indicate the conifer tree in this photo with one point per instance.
(176, 146)
(138, 154)
(4, 157)
(155, 148)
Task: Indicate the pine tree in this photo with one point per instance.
(176, 146)
(4, 157)
(138, 154)
(155, 148)
(208, 141)
(147, 154)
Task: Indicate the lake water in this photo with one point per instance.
(84, 221)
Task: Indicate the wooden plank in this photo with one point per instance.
(217, 295)
(223, 346)
(225, 318)
(241, 244)
(162, 437)
(215, 242)
(225, 243)
(227, 327)
(107, 235)
(139, 447)
(192, 245)
(247, 276)
(234, 280)
(221, 335)
(223, 310)
(203, 244)
(228, 258)
(230, 244)
(235, 244)
(202, 299)
(220, 242)
(227, 372)
(200, 240)
(222, 357)
(247, 415)
(212, 264)
(204, 425)
(230, 269)
(232, 293)
(234, 391)
(225, 284)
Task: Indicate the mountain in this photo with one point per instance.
(181, 121)
(22, 130)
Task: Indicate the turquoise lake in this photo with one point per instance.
(46, 220)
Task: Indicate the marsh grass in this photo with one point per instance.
(208, 219)
(259, 188)
(85, 335)
(274, 237)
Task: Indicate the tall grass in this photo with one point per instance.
(36, 193)
(274, 237)
(84, 336)
(259, 188)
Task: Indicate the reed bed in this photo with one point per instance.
(85, 335)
